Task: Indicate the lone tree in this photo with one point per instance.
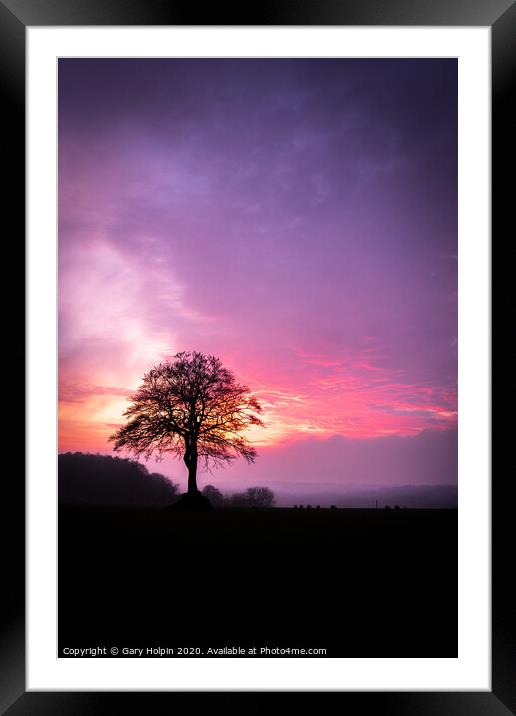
(260, 497)
(192, 407)
(257, 497)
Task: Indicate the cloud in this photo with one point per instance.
(69, 393)
(339, 463)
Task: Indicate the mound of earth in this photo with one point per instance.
(192, 501)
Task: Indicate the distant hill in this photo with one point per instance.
(431, 496)
(86, 478)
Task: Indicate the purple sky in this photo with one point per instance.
(297, 218)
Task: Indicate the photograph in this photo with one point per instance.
(257, 357)
(257, 332)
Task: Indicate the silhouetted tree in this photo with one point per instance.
(260, 496)
(214, 496)
(192, 407)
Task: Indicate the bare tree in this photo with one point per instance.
(260, 497)
(194, 408)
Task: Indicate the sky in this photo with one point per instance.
(296, 218)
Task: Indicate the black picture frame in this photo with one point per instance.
(15, 16)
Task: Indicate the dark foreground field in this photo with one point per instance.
(358, 583)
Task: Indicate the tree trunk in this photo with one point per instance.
(190, 459)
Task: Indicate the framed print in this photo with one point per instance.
(258, 357)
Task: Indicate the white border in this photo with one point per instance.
(471, 671)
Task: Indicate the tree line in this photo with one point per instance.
(253, 497)
(86, 478)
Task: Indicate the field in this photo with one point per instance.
(356, 583)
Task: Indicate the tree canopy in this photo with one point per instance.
(192, 407)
